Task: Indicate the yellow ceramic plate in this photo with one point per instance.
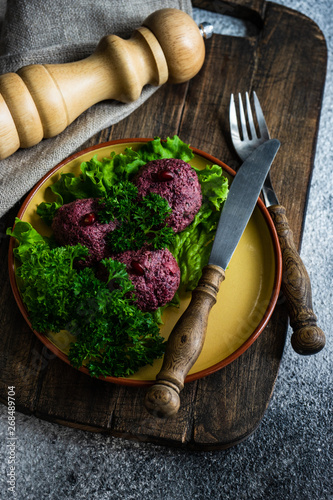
(245, 301)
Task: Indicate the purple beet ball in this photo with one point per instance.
(177, 182)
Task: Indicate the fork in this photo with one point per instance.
(307, 337)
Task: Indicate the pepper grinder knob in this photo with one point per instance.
(40, 101)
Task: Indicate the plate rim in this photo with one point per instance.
(133, 382)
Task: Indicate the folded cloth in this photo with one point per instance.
(48, 31)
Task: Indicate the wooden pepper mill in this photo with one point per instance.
(40, 101)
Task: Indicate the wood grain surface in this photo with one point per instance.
(286, 64)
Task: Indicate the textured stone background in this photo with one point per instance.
(290, 454)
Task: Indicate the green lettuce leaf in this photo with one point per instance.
(26, 236)
(214, 185)
(170, 148)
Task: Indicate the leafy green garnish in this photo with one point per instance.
(214, 186)
(139, 221)
(170, 148)
(98, 177)
(123, 338)
(114, 337)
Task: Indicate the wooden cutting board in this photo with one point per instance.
(285, 62)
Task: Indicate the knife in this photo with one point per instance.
(187, 338)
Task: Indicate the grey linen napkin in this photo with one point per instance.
(58, 31)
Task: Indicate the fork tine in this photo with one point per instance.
(264, 133)
(250, 116)
(234, 130)
(242, 118)
(242, 125)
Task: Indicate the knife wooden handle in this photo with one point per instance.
(307, 337)
(40, 101)
(184, 345)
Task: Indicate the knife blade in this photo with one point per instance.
(240, 203)
(186, 339)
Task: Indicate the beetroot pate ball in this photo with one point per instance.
(177, 182)
(77, 222)
(155, 275)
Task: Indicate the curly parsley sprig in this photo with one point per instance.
(113, 336)
(139, 221)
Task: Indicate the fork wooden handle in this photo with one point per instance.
(184, 345)
(307, 337)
